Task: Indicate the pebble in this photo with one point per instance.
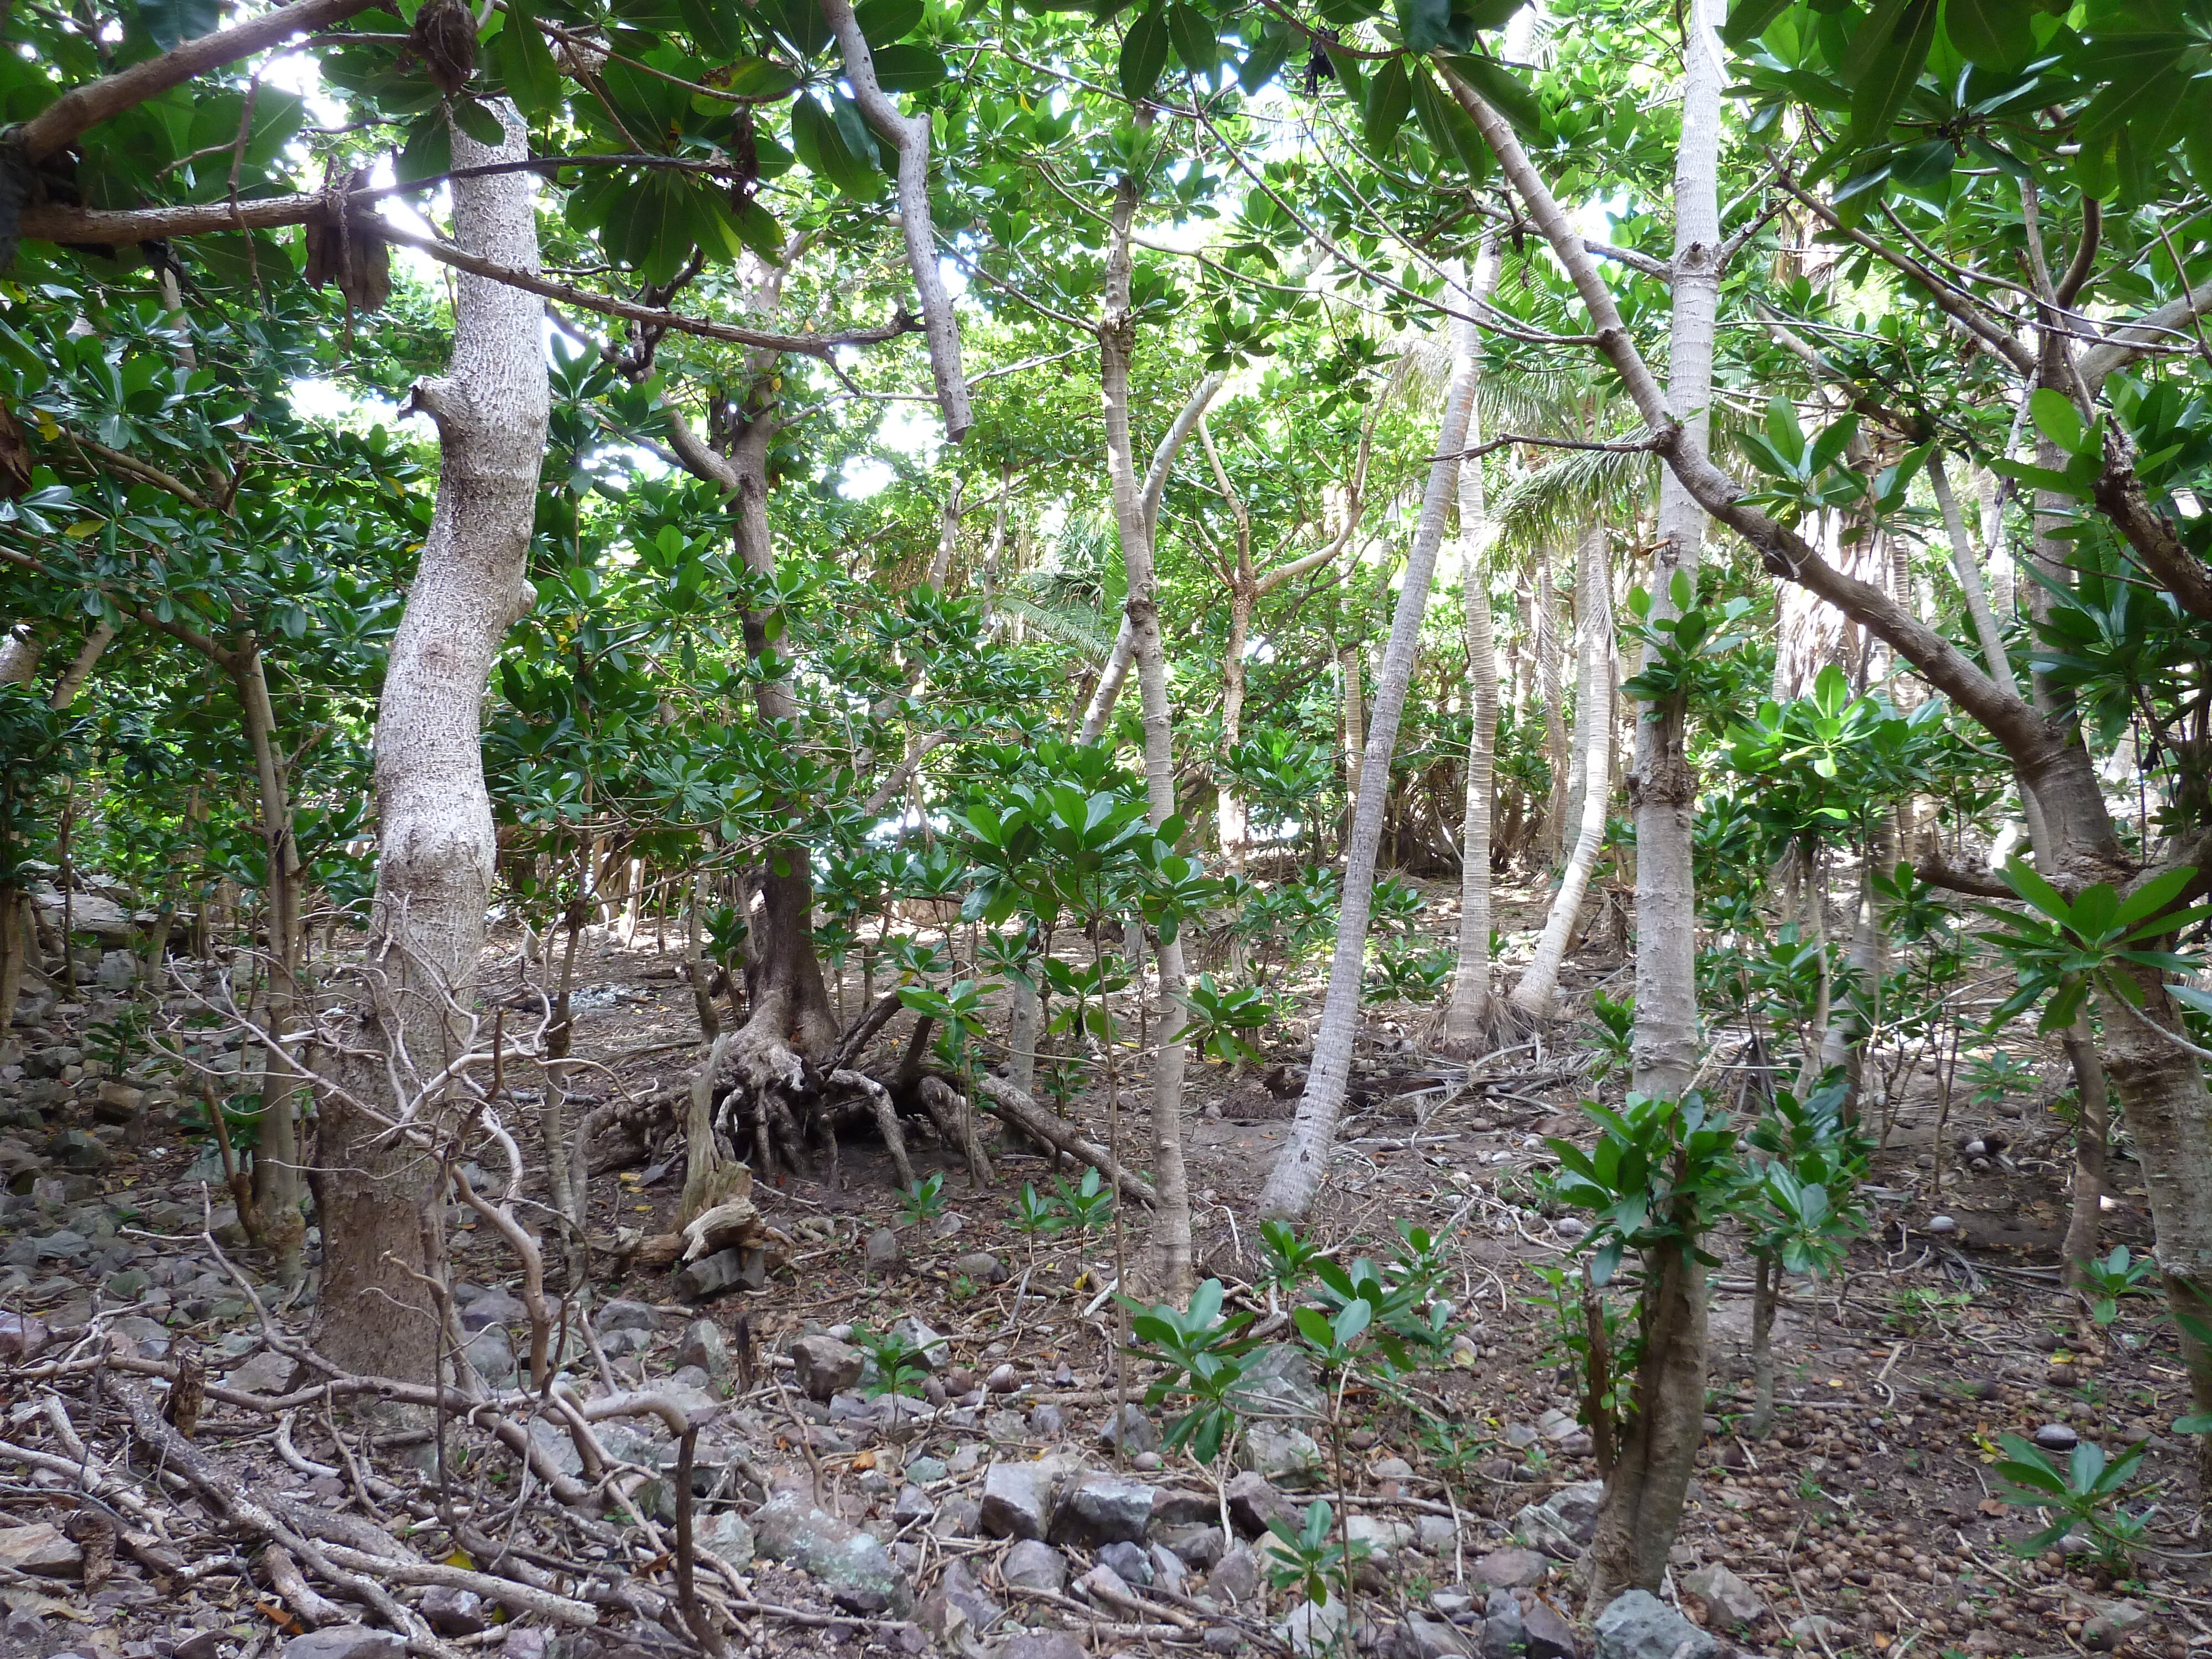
(1941, 1224)
(2056, 1437)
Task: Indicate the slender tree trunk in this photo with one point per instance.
(79, 669)
(1551, 686)
(1844, 1042)
(1109, 692)
(20, 651)
(1765, 1293)
(276, 1164)
(384, 1199)
(1229, 803)
(1348, 679)
(1297, 1173)
(1169, 1268)
(1467, 1015)
(1538, 985)
(2092, 1145)
(1662, 787)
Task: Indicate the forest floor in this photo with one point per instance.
(1867, 1523)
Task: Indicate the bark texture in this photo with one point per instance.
(382, 1197)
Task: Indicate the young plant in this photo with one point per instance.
(1201, 1353)
(2085, 1494)
(924, 1199)
(1090, 1206)
(900, 1367)
(2062, 949)
(2117, 1275)
(1614, 1021)
(1308, 1559)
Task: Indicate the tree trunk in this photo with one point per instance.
(1169, 1268)
(1297, 1173)
(1539, 986)
(276, 1164)
(20, 651)
(1468, 1016)
(1765, 1292)
(2092, 1146)
(80, 670)
(1229, 803)
(1551, 685)
(1355, 735)
(383, 1198)
(1645, 1493)
(1662, 787)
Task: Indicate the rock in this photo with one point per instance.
(825, 1365)
(1034, 1564)
(347, 1641)
(2056, 1437)
(23, 1335)
(1104, 1587)
(1564, 1521)
(1253, 1502)
(40, 1549)
(926, 1471)
(729, 1537)
(1197, 1545)
(957, 1586)
(118, 972)
(1142, 1434)
(496, 1307)
(1003, 1379)
(626, 1315)
(1505, 1569)
(883, 1251)
(1100, 1509)
(1014, 1497)
(981, 1267)
(1221, 1638)
(1235, 1577)
(271, 1373)
(129, 1284)
(936, 1352)
(1005, 1426)
(1279, 1380)
(1134, 1565)
(453, 1612)
(118, 1102)
(1546, 1633)
(1556, 1425)
(1286, 1456)
(912, 1504)
(1504, 1634)
(1941, 1224)
(1639, 1626)
(1047, 1422)
(1730, 1603)
(848, 1561)
(1313, 1627)
(703, 1347)
(1422, 1638)
(1054, 1644)
(1811, 1628)
(2113, 1621)
(1167, 1569)
(73, 1149)
(732, 1269)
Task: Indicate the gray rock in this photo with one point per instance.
(1285, 1456)
(790, 1529)
(926, 1471)
(453, 1612)
(1034, 1564)
(1639, 1626)
(1235, 1577)
(1812, 1627)
(912, 1504)
(1100, 1509)
(118, 972)
(2113, 1621)
(936, 1352)
(959, 1586)
(73, 1149)
(703, 1347)
(1548, 1634)
(1006, 1426)
(1435, 1534)
(1253, 1502)
(825, 1365)
(1104, 1587)
(497, 1307)
(270, 1373)
(1054, 1644)
(728, 1536)
(129, 1284)
(1313, 1627)
(1504, 1634)
(626, 1315)
(1047, 1422)
(1014, 1496)
(883, 1251)
(2056, 1437)
(1279, 1380)
(1142, 1434)
(1730, 1603)
(346, 1641)
(1562, 1523)
(1423, 1637)
(715, 1275)
(1505, 1569)
(23, 1335)
(493, 1355)
(40, 1548)
(1197, 1545)
(1167, 1569)
(982, 1266)
(1221, 1638)
(1133, 1564)
(1383, 1537)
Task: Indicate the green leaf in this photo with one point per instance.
(1429, 25)
(1191, 33)
(908, 66)
(172, 22)
(1889, 77)
(1502, 91)
(1994, 34)
(2022, 878)
(533, 80)
(1144, 53)
(824, 146)
(883, 22)
(1390, 98)
(1748, 19)
(428, 150)
(1451, 134)
(2057, 419)
(480, 123)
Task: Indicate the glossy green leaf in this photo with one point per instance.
(1389, 99)
(172, 22)
(1503, 91)
(480, 123)
(429, 151)
(533, 80)
(1995, 33)
(1143, 52)
(1191, 33)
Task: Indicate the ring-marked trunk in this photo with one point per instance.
(383, 1205)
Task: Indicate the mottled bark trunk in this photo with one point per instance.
(384, 1197)
(1552, 688)
(79, 669)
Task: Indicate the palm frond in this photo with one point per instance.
(1551, 502)
(1081, 629)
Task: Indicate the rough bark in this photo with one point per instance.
(81, 666)
(1297, 1173)
(20, 653)
(1537, 989)
(437, 846)
(1662, 785)
(1552, 687)
(276, 1164)
(1136, 508)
